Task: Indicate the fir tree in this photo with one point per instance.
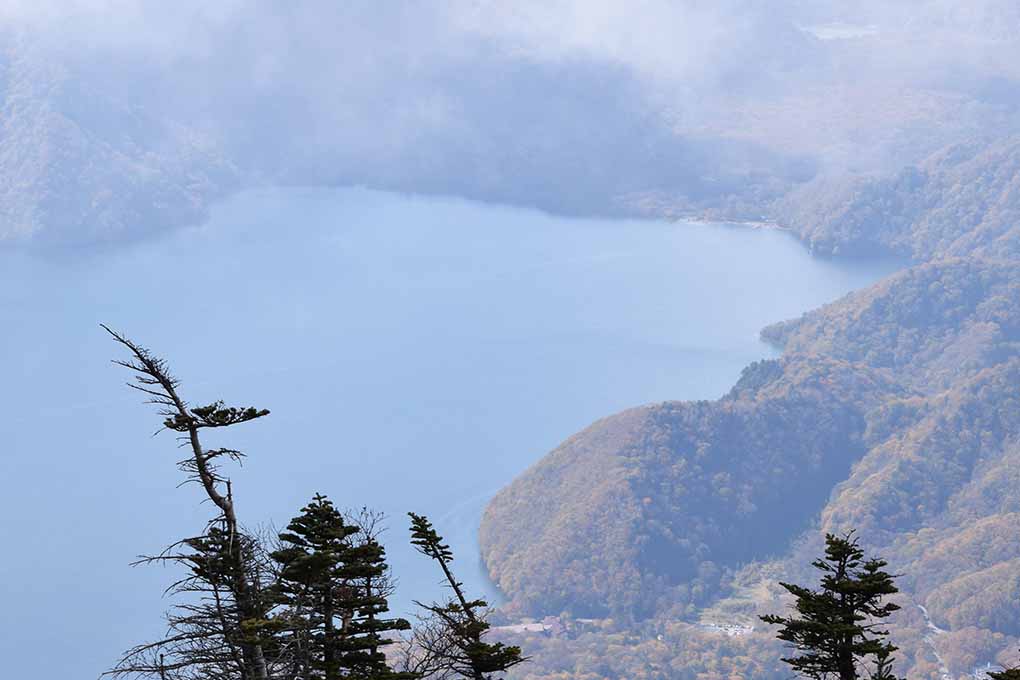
(453, 640)
(330, 586)
(365, 572)
(835, 630)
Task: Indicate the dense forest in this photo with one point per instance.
(961, 201)
(895, 411)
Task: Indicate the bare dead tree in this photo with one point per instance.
(429, 651)
(371, 526)
(220, 630)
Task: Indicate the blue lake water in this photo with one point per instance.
(417, 353)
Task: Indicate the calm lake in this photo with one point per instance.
(417, 353)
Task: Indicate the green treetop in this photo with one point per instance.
(835, 630)
(330, 586)
(454, 641)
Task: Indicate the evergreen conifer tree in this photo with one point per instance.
(835, 630)
(329, 585)
(455, 642)
(365, 571)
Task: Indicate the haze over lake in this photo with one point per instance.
(417, 353)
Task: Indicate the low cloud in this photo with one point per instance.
(566, 104)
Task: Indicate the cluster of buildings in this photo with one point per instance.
(551, 626)
(727, 629)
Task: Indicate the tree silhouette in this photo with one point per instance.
(452, 640)
(332, 588)
(835, 630)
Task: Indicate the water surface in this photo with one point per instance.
(417, 354)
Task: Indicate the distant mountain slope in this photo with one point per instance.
(699, 482)
(78, 164)
(646, 509)
(95, 147)
(928, 325)
(961, 201)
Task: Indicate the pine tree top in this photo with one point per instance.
(427, 540)
(836, 627)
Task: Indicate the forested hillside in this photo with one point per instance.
(646, 510)
(895, 410)
(81, 161)
(961, 201)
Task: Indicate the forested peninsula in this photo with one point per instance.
(656, 536)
